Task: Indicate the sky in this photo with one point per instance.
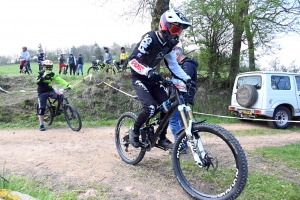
(63, 23)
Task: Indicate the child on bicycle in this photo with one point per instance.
(123, 59)
(24, 59)
(45, 89)
(155, 46)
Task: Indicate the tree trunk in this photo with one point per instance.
(238, 29)
(249, 36)
(160, 7)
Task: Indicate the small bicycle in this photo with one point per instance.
(215, 165)
(71, 114)
(108, 68)
(26, 68)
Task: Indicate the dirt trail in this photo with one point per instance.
(63, 160)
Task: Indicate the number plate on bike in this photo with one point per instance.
(247, 112)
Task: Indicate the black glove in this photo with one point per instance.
(154, 76)
(190, 84)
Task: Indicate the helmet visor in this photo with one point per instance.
(175, 30)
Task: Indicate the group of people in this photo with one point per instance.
(75, 64)
(152, 48)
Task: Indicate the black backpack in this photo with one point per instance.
(71, 60)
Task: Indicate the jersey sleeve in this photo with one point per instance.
(137, 64)
(174, 66)
(59, 80)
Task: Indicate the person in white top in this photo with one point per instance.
(24, 58)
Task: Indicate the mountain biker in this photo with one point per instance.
(107, 56)
(155, 46)
(72, 64)
(94, 61)
(24, 59)
(189, 65)
(123, 59)
(45, 89)
(40, 60)
(62, 63)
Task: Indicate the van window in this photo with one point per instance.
(280, 82)
(250, 80)
(298, 82)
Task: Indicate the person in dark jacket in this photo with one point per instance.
(72, 64)
(189, 65)
(40, 60)
(80, 64)
(154, 47)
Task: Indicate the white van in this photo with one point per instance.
(274, 95)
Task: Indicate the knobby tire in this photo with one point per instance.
(72, 117)
(127, 152)
(223, 180)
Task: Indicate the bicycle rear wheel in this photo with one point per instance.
(224, 174)
(127, 152)
(48, 116)
(72, 117)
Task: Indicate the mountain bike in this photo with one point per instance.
(108, 68)
(215, 165)
(26, 68)
(63, 107)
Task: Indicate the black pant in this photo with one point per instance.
(72, 69)
(151, 95)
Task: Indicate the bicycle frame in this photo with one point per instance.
(188, 120)
(61, 102)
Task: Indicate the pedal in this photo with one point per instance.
(146, 145)
(163, 148)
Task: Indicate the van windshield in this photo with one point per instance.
(250, 80)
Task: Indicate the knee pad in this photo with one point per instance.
(41, 111)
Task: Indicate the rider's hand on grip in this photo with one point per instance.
(70, 86)
(154, 76)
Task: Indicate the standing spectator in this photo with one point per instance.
(189, 65)
(25, 59)
(107, 56)
(72, 64)
(40, 59)
(80, 64)
(123, 59)
(62, 63)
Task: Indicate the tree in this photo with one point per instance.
(265, 20)
(40, 49)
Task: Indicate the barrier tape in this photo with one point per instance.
(250, 119)
(222, 116)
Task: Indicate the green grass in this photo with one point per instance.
(268, 187)
(288, 155)
(32, 188)
(270, 131)
(15, 68)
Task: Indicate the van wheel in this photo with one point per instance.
(246, 95)
(283, 115)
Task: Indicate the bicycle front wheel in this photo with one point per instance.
(224, 171)
(72, 117)
(127, 152)
(92, 70)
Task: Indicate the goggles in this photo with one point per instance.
(175, 30)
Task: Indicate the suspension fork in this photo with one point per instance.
(188, 124)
